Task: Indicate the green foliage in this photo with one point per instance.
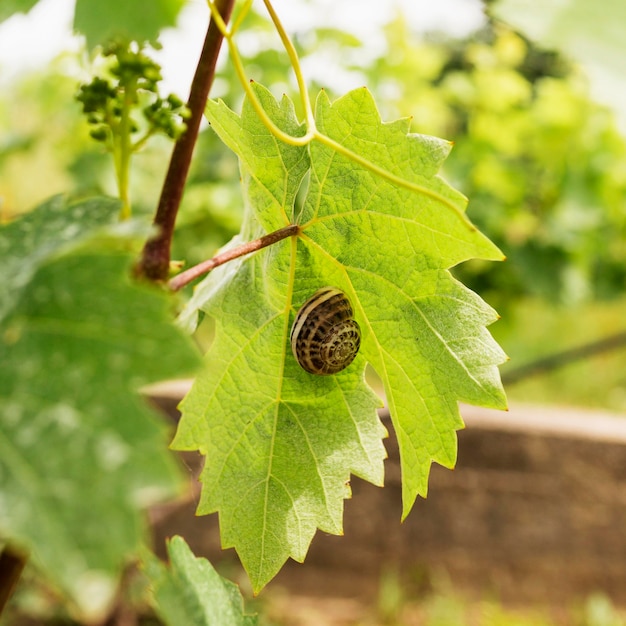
(549, 189)
(43, 131)
(140, 20)
(280, 455)
(44, 136)
(585, 32)
(101, 20)
(9, 7)
(590, 382)
(543, 166)
(280, 444)
(190, 591)
(81, 453)
(268, 63)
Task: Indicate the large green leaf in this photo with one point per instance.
(80, 451)
(281, 443)
(591, 33)
(139, 20)
(191, 592)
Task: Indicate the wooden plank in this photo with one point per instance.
(535, 511)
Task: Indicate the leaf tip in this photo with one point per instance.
(407, 504)
(405, 514)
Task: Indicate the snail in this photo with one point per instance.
(324, 337)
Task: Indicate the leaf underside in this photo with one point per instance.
(190, 591)
(280, 443)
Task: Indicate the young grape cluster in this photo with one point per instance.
(127, 99)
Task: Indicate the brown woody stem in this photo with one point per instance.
(155, 259)
(12, 563)
(184, 278)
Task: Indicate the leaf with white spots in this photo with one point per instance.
(80, 451)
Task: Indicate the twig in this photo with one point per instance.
(12, 563)
(184, 278)
(560, 359)
(155, 259)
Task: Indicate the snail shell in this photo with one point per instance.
(324, 337)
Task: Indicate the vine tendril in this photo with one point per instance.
(312, 133)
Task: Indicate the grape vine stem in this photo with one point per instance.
(184, 278)
(155, 258)
(12, 563)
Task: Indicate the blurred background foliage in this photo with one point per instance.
(543, 165)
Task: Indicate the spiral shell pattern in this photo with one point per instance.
(325, 338)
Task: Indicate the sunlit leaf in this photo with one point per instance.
(280, 443)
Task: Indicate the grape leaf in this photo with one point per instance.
(80, 451)
(140, 20)
(192, 592)
(281, 443)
